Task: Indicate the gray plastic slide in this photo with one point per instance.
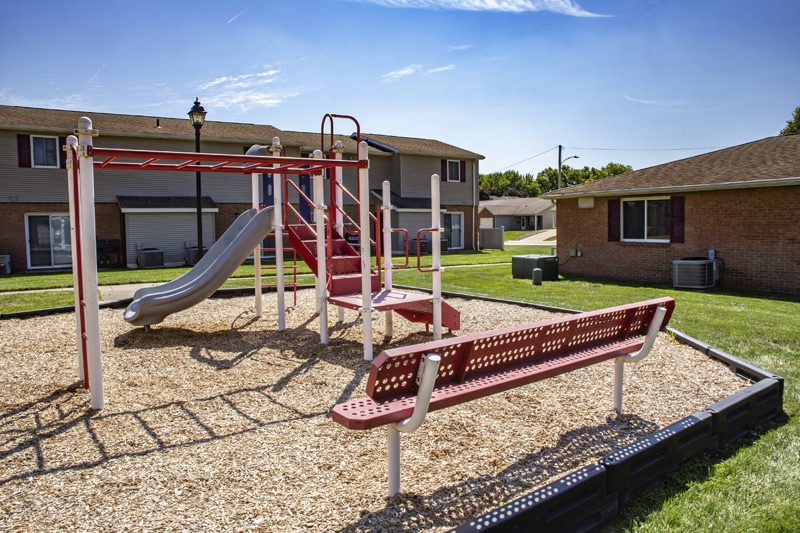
(152, 305)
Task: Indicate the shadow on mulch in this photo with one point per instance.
(452, 505)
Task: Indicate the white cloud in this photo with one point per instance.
(245, 80)
(655, 102)
(460, 47)
(401, 73)
(246, 100)
(243, 92)
(564, 7)
(440, 69)
(72, 101)
(239, 14)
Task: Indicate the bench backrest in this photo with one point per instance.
(394, 372)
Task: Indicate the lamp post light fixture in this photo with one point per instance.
(561, 161)
(197, 116)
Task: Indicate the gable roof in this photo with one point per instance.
(411, 145)
(62, 122)
(65, 122)
(517, 206)
(770, 162)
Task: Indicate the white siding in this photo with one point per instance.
(167, 232)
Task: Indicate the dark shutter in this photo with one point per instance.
(62, 154)
(676, 218)
(24, 150)
(613, 221)
(463, 177)
(443, 175)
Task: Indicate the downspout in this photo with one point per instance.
(475, 184)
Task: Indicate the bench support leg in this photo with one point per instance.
(619, 374)
(619, 362)
(428, 370)
(393, 438)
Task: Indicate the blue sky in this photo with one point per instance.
(629, 81)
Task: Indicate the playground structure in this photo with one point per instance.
(344, 275)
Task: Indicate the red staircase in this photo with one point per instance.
(344, 263)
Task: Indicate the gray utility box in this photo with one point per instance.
(150, 258)
(192, 257)
(522, 266)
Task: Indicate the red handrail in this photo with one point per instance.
(419, 252)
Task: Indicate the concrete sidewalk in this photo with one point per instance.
(113, 293)
(537, 239)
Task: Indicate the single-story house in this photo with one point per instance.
(737, 206)
(517, 213)
(138, 210)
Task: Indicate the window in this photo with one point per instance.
(49, 242)
(454, 171)
(45, 151)
(646, 220)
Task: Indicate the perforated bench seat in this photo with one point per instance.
(366, 413)
(480, 364)
(406, 383)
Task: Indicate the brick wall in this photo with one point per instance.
(12, 227)
(756, 232)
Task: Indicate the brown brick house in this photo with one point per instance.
(741, 202)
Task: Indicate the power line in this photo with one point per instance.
(528, 159)
(646, 149)
(614, 150)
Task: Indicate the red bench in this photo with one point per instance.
(406, 383)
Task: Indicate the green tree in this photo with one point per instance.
(508, 183)
(547, 179)
(792, 126)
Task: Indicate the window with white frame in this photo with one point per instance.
(44, 151)
(645, 220)
(453, 170)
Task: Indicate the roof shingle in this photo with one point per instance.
(768, 162)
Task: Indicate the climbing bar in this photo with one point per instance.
(203, 162)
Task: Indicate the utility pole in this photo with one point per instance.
(559, 166)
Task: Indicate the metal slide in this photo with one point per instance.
(151, 305)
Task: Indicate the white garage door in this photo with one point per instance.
(168, 232)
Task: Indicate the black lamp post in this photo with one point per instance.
(197, 115)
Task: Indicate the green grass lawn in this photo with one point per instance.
(514, 234)
(25, 281)
(750, 485)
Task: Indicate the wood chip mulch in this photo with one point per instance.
(215, 420)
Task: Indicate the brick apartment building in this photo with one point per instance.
(738, 205)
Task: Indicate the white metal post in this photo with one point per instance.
(338, 150)
(393, 440)
(619, 376)
(257, 252)
(277, 227)
(436, 257)
(89, 260)
(426, 377)
(644, 351)
(387, 251)
(364, 235)
(77, 282)
(322, 271)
